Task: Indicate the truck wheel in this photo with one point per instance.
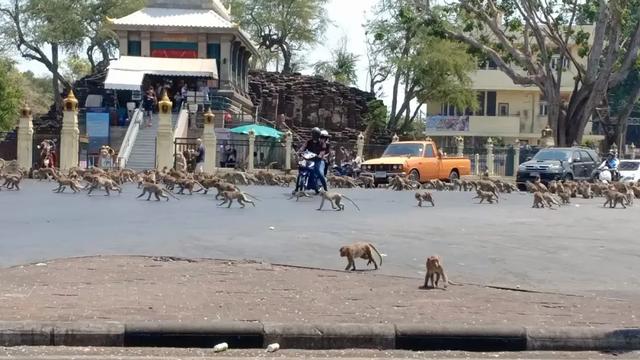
(414, 175)
(454, 176)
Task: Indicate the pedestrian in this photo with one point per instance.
(148, 103)
(199, 157)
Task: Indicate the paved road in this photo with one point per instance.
(576, 248)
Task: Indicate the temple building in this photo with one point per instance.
(183, 46)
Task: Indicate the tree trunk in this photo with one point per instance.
(394, 101)
(54, 78)
(286, 56)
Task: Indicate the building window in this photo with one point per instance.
(134, 48)
(542, 108)
(503, 109)
(481, 103)
(491, 103)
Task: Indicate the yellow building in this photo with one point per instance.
(506, 110)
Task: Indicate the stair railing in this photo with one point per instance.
(130, 138)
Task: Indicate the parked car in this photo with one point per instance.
(418, 160)
(629, 170)
(574, 163)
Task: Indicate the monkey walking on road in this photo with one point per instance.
(486, 195)
(424, 196)
(239, 196)
(156, 190)
(360, 250)
(335, 199)
(298, 195)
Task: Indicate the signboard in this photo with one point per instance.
(447, 123)
(97, 130)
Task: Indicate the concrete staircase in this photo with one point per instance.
(143, 154)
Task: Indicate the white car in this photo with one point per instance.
(629, 170)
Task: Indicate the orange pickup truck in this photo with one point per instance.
(418, 160)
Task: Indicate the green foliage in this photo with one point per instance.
(341, 68)
(283, 25)
(10, 95)
(76, 68)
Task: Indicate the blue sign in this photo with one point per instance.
(97, 130)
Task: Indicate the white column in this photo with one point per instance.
(360, 146)
(476, 168)
(252, 142)
(209, 141)
(164, 137)
(69, 134)
(123, 38)
(288, 149)
(489, 147)
(202, 46)
(25, 139)
(633, 151)
(225, 62)
(145, 43)
(516, 156)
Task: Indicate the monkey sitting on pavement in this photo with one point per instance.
(335, 199)
(434, 270)
(237, 195)
(424, 196)
(486, 195)
(156, 190)
(360, 250)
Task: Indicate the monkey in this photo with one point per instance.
(457, 184)
(298, 195)
(63, 182)
(188, 185)
(12, 181)
(239, 196)
(538, 184)
(538, 200)
(565, 196)
(434, 270)
(287, 180)
(487, 186)
(486, 195)
(208, 184)
(105, 183)
(360, 250)
(585, 191)
(367, 181)
(424, 196)
(550, 199)
(335, 199)
(553, 187)
(224, 186)
(156, 190)
(45, 173)
(450, 187)
(614, 198)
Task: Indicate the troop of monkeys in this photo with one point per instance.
(365, 251)
(560, 192)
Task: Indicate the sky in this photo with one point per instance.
(347, 19)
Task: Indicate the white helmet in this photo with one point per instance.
(324, 133)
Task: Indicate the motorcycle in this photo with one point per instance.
(306, 179)
(605, 174)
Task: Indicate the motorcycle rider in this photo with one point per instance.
(324, 139)
(318, 147)
(611, 163)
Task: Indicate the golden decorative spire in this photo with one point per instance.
(70, 102)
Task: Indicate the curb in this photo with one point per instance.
(246, 335)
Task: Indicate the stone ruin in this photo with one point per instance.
(309, 101)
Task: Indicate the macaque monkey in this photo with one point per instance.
(63, 182)
(156, 190)
(335, 199)
(360, 250)
(105, 183)
(424, 196)
(434, 270)
(614, 198)
(237, 195)
(486, 195)
(298, 195)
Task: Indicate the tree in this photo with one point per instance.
(428, 68)
(532, 40)
(620, 103)
(32, 25)
(375, 118)
(75, 68)
(10, 95)
(36, 92)
(283, 25)
(341, 68)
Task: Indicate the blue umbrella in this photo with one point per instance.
(259, 130)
